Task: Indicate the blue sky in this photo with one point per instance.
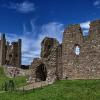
(32, 20)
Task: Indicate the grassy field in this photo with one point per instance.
(61, 90)
(19, 81)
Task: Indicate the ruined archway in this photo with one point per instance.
(41, 73)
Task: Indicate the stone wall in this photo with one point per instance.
(46, 46)
(59, 62)
(71, 36)
(10, 54)
(64, 61)
(87, 64)
(51, 63)
(49, 47)
(36, 62)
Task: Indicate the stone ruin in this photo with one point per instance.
(45, 68)
(10, 54)
(77, 57)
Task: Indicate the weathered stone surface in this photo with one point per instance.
(48, 60)
(10, 54)
(61, 60)
(47, 45)
(86, 65)
(3, 49)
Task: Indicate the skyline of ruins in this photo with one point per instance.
(32, 20)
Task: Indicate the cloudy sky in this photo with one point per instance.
(32, 20)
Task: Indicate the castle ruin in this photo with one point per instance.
(77, 57)
(10, 54)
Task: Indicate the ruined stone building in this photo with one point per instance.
(10, 54)
(78, 57)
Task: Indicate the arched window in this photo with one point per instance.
(77, 49)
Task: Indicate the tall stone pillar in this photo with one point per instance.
(3, 50)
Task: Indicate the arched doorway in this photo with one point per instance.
(41, 73)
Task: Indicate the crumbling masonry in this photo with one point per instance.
(61, 61)
(10, 54)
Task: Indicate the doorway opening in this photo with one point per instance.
(41, 73)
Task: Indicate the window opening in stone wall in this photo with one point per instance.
(77, 49)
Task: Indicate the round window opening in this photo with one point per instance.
(77, 49)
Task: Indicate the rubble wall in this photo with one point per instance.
(87, 64)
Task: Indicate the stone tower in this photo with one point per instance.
(3, 50)
(10, 54)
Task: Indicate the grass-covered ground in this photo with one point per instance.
(19, 81)
(61, 90)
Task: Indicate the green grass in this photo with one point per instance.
(60, 90)
(19, 81)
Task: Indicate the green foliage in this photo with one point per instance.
(19, 81)
(61, 90)
(3, 77)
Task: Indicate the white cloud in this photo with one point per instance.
(24, 7)
(31, 47)
(53, 30)
(12, 37)
(85, 27)
(96, 3)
